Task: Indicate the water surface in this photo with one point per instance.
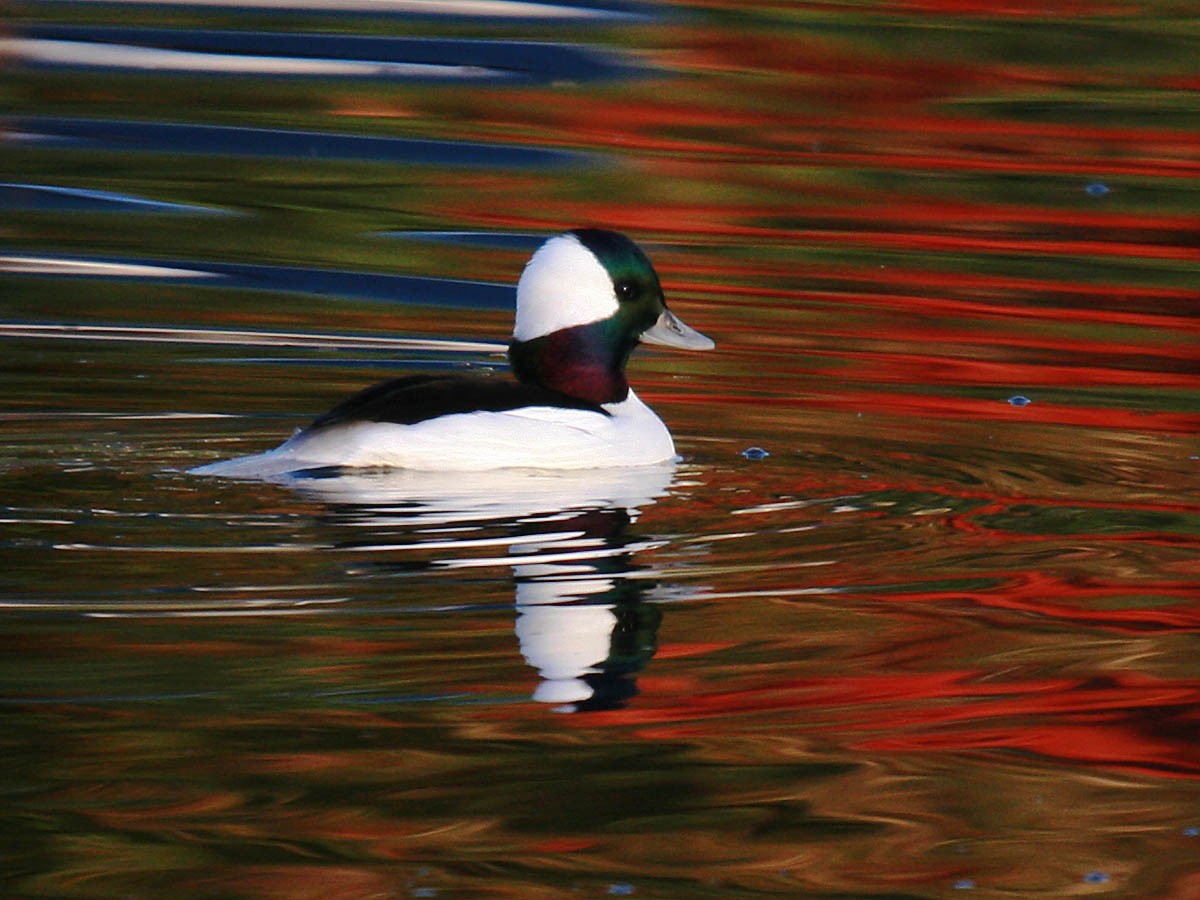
(939, 640)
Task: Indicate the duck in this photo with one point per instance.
(585, 300)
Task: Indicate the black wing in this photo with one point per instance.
(417, 398)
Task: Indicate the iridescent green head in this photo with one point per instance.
(584, 301)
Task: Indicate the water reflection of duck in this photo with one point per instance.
(583, 622)
(584, 301)
(587, 635)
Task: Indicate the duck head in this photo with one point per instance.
(584, 301)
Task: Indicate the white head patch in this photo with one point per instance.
(563, 285)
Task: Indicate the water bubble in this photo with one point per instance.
(1096, 877)
(964, 884)
(621, 889)
(1096, 189)
(1191, 831)
(1019, 400)
(755, 453)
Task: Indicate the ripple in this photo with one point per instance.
(226, 140)
(97, 268)
(257, 53)
(234, 338)
(57, 198)
(81, 54)
(375, 286)
(474, 9)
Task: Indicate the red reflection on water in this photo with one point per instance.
(1123, 720)
(955, 408)
(928, 406)
(1053, 598)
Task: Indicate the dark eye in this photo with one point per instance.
(626, 290)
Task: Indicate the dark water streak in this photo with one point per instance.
(188, 138)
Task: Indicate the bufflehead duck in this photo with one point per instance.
(584, 301)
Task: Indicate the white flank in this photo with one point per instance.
(537, 437)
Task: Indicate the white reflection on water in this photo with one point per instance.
(582, 622)
(492, 9)
(50, 265)
(425, 498)
(232, 337)
(129, 56)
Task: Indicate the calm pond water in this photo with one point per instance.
(940, 642)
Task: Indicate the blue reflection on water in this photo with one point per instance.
(56, 198)
(382, 57)
(374, 286)
(223, 140)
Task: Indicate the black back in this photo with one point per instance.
(417, 398)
